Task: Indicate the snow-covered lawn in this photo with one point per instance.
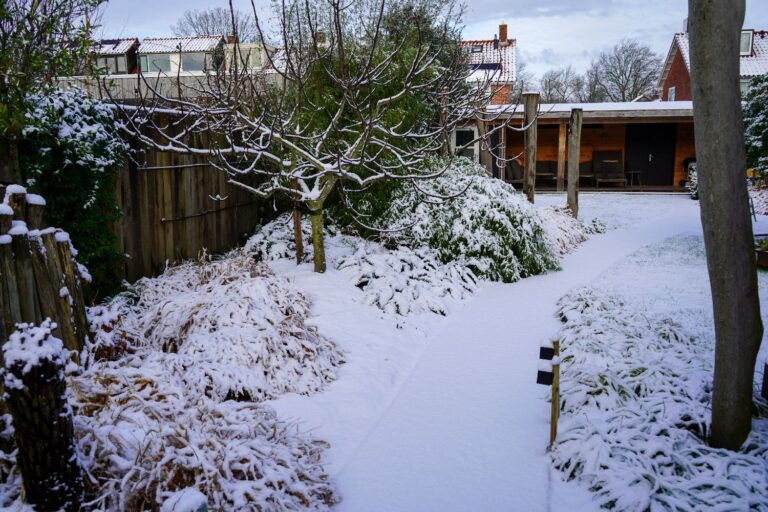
(443, 414)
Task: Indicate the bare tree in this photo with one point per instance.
(215, 21)
(715, 27)
(559, 85)
(39, 41)
(624, 73)
(334, 111)
(587, 87)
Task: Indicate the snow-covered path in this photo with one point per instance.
(467, 429)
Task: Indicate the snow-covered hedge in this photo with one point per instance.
(489, 227)
(239, 329)
(406, 281)
(400, 281)
(636, 398)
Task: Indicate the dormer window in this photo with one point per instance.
(745, 45)
(477, 48)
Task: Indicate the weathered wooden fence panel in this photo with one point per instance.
(171, 212)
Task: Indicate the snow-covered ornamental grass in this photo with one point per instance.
(636, 395)
(168, 397)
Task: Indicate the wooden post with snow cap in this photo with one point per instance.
(35, 387)
(531, 102)
(574, 156)
(16, 198)
(34, 214)
(72, 280)
(64, 310)
(25, 275)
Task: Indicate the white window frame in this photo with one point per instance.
(751, 34)
(671, 93)
(475, 146)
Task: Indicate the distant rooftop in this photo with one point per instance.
(113, 46)
(183, 44)
(492, 58)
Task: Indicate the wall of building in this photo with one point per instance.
(678, 78)
(604, 137)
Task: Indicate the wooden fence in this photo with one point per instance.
(39, 277)
(175, 206)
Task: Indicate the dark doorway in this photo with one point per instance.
(651, 150)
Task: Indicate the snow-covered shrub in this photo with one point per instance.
(489, 227)
(406, 281)
(636, 404)
(144, 434)
(759, 197)
(71, 152)
(562, 232)
(239, 329)
(756, 126)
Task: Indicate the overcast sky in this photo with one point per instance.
(550, 33)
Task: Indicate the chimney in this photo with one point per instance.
(503, 40)
(231, 39)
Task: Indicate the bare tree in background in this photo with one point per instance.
(560, 85)
(715, 27)
(334, 113)
(215, 21)
(624, 73)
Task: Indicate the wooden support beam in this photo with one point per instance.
(561, 148)
(531, 101)
(574, 155)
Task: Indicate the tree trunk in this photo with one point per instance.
(42, 423)
(574, 158)
(715, 27)
(318, 240)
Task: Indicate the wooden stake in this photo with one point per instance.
(25, 279)
(574, 156)
(18, 201)
(5, 223)
(555, 394)
(11, 312)
(71, 277)
(35, 216)
(46, 289)
(531, 100)
(63, 301)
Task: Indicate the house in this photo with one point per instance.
(675, 81)
(494, 60)
(116, 56)
(172, 55)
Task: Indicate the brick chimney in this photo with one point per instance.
(503, 39)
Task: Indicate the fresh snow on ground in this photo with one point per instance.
(447, 416)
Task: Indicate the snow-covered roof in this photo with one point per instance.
(184, 44)
(750, 65)
(114, 46)
(617, 110)
(491, 58)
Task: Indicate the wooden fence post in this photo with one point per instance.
(42, 421)
(71, 277)
(555, 393)
(574, 156)
(25, 275)
(531, 101)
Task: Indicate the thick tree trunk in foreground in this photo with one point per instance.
(42, 423)
(318, 240)
(715, 27)
(574, 158)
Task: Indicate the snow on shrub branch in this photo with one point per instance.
(402, 281)
(242, 328)
(489, 227)
(636, 399)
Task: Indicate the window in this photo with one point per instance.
(671, 94)
(156, 63)
(111, 65)
(120, 64)
(464, 137)
(745, 46)
(744, 87)
(477, 48)
(193, 62)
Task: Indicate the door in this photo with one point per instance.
(651, 150)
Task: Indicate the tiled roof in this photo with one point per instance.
(113, 46)
(751, 65)
(184, 44)
(487, 61)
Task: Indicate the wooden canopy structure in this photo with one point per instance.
(640, 144)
